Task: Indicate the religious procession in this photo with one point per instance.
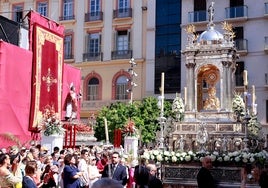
(133, 94)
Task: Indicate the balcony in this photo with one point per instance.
(68, 56)
(241, 46)
(122, 54)
(64, 18)
(197, 16)
(94, 16)
(266, 44)
(122, 13)
(239, 13)
(97, 56)
(98, 104)
(266, 10)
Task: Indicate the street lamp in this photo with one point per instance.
(131, 79)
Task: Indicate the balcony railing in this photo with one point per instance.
(68, 56)
(197, 16)
(266, 8)
(62, 18)
(123, 13)
(122, 54)
(93, 16)
(241, 45)
(98, 104)
(236, 12)
(92, 56)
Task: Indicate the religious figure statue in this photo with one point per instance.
(211, 12)
(71, 103)
(212, 102)
(181, 143)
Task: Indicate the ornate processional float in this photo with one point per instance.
(214, 119)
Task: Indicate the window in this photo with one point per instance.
(68, 10)
(94, 6)
(123, 9)
(94, 44)
(123, 4)
(18, 13)
(42, 8)
(93, 89)
(168, 45)
(121, 88)
(68, 47)
(239, 74)
(122, 42)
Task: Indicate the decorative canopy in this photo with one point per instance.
(210, 34)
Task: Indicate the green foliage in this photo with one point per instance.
(144, 113)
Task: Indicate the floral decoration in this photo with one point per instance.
(129, 129)
(238, 106)
(178, 108)
(177, 157)
(83, 128)
(50, 122)
(254, 127)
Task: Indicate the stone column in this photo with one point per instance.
(190, 86)
(224, 86)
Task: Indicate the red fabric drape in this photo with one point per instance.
(46, 42)
(15, 89)
(71, 75)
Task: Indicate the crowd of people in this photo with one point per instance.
(84, 167)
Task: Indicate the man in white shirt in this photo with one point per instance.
(83, 164)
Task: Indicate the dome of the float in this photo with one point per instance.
(210, 34)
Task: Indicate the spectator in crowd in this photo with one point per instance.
(263, 180)
(154, 182)
(7, 178)
(107, 183)
(93, 171)
(16, 168)
(48, 176)
(115, 170)
(83, 165)
(30, 173)
(102, 162)
(131, 182)
(71, 173)
(204, 177)
(141, 174)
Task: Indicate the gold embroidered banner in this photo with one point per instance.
(47, 47)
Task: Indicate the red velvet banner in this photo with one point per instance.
(15, 89)
(46, 42)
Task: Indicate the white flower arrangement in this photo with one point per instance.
(254, 127)
(236, 157)
(238, 106)
(178, 108)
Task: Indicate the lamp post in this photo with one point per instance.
(130, 80)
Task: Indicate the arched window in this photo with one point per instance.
(93, 89)
(121, 88)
